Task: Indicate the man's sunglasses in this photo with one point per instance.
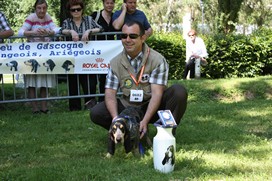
(131, 36)
(76, 9)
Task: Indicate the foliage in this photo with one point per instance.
(13, 8)
(256, 12)
(172, 47)
(239, 55)
(219, 15)
(229, 9)
(217, 139)
(13, 19)
(230, 55)
(162, 14)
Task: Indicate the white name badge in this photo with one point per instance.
(136, 95)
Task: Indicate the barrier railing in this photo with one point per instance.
(13, 89)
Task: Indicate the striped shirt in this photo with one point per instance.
(4, 26)
(33, 22)
(86, 24)
(136, 62)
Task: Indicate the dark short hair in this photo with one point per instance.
(140, 25)
(71, 3)
(38, 2)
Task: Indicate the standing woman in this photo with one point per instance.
(37, 27)
(76, 26)
(104, 18)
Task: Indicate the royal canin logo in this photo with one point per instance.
(99, 60)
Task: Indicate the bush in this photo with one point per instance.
(230, 55)
(172, 47)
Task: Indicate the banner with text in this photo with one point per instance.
(92, 57)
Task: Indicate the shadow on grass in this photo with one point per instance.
(226, 132)
(228, 90)
(230, 124)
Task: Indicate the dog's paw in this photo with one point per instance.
(108, 155)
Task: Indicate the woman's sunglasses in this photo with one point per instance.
(76, 9)
(131, 36)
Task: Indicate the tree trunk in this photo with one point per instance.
(63, 11)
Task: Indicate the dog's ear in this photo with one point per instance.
(111, 133)
(127, 132)
(111, 136)
(127, 143)
(111, 144)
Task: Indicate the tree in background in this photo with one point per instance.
(229, 14)
(219, 15)
(162, 14)
(257, 12)
(16, 11)
(11, 10)
(63, 11)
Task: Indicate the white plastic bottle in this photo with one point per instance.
(164, 150)
(197, 68)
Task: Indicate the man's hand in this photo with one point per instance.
(154, 103)
(124, 7)
(143, 129)
(119, 22)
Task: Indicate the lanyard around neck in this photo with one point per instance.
(141, 72)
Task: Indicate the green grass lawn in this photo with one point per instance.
(226, 134)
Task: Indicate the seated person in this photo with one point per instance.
(195, 49)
